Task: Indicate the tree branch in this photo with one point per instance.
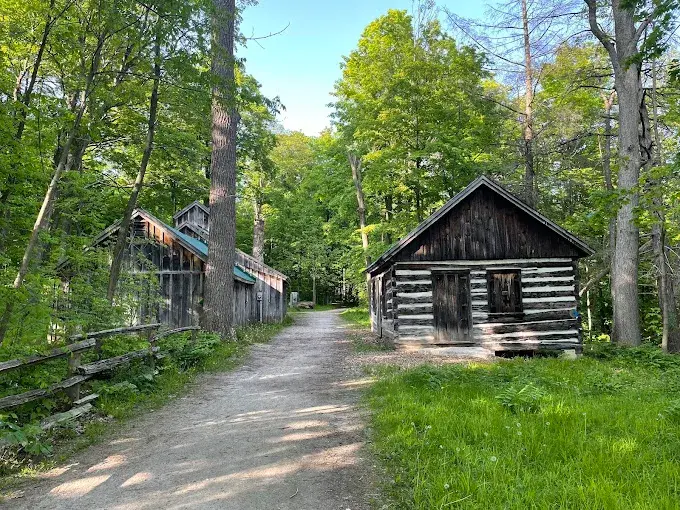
(603, 37)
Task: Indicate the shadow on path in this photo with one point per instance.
(281, 432)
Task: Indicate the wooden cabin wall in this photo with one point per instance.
(382, 301)
(486, 226)
(549, 300)
(180, 277)
(270, 283)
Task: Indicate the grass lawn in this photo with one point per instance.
(600, 432)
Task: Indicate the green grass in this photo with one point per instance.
(599, 432)
(357, 316)
(136, 389)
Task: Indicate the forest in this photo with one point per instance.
(107, 106)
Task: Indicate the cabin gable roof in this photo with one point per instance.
(193, 204)
(425, 243)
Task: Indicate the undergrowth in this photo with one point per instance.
(130, 390)
(599, 432)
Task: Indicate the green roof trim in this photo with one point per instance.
(241, 274)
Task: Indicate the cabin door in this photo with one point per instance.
(451, 306)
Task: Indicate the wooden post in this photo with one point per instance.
(193, 336)
(73, 393)
(151, 338)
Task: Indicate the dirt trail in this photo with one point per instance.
(281, 432)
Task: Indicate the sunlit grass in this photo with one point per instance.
(592, 434)
(358, 316)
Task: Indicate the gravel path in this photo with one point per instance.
(281, 432)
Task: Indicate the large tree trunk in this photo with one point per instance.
(121, 239)
(46, 208)
(219, 288)
(258, 231)
(625, 259)
(528, 133)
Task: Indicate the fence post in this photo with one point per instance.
(73, 393)
(151, 338)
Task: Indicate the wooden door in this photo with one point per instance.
(451, 306)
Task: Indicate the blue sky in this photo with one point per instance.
(302, 64)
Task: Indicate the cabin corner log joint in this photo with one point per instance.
(175, 257)
(484, 270)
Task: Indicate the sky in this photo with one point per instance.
(301, 64)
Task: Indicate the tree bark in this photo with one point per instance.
(606, 161)
(670, 335)
(314, 289)
(528, 133)
(258, 232)
(355, 164)
(43, 217)
(622, 50)
(121, 239)
(219, 291)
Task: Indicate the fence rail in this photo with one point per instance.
(79, 373)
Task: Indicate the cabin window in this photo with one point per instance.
(505, 291)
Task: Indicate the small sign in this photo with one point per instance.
(259, 296)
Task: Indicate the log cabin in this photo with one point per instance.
(176, 257)
(484, 270)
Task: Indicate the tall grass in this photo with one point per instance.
(542, 433)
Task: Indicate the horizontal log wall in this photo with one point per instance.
(381, 306)
(548, 299)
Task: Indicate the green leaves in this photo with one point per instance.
(527, 398)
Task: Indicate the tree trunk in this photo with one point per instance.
(625, 260)
(670, 335)
(528, 134)
(314, 289)
(219, 283)
(121, 239)
(258, 232)
(46, 208)
(606, 162)
(389, 205)
(355, 164)
(25, 103)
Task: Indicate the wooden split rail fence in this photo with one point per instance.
(79, 373)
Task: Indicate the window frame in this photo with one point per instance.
(489, 291)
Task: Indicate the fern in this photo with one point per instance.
(528, 398)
